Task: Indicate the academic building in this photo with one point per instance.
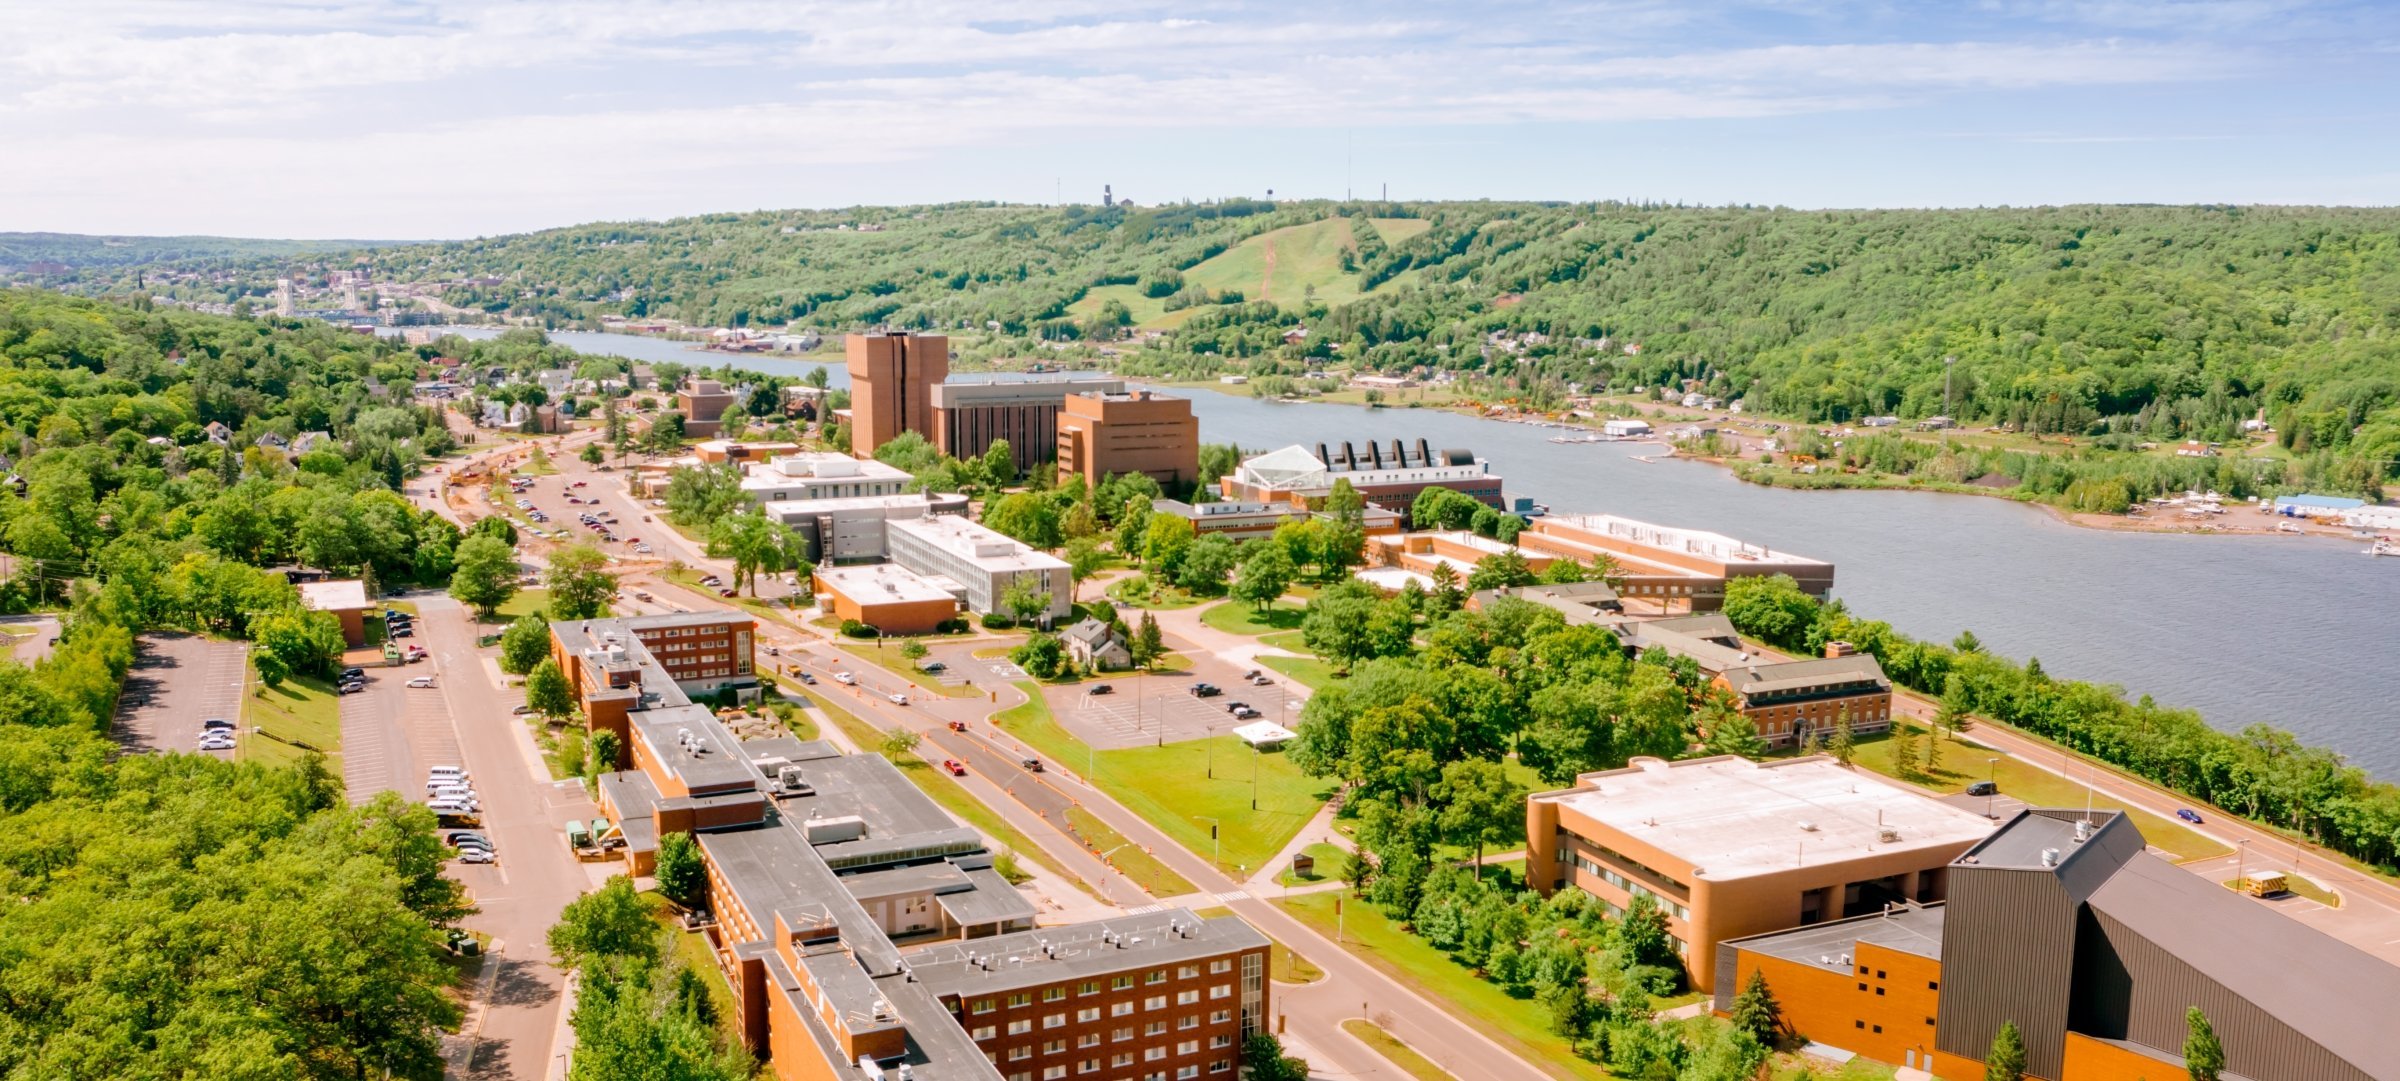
(2061, 923)
(1103, 435)
(968, 414)
(1727, 847)
(1668, 566)
(892, 376)
(1388, 475)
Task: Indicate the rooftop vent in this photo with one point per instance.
(2083, 831)
(1806, 826)
(2049, 857)
(1888, 835)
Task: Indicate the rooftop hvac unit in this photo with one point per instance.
(1888, 835)
(2083, 831)
(1806, 826)
(2049, 857)
(870, 1069)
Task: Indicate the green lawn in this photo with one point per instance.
(1516, 1024)
(1180, 787)
(889, 659)
(1129, 859)
(1291, 640)
(1307, 264)
(1161, 597)
(1400, 1054)
(1331, 858)
(1311, 672)
(526, 602)
(1238, 617)
(538, 464)
(304, 710)
(1963, 765)
(1395, 230)
(1797, 1067)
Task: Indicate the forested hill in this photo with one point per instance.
(55, 253)
(2132, 323)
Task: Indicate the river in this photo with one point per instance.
(2298, 632)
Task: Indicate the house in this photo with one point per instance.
(2193, 448)
(309, 441)
(218, 432)
(274, 440)
(1093, 644)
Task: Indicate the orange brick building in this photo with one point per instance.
(1668, 565)
(892, 375)
(1788, 699)
(1103, 435)
(2061, 923)
(885, 596)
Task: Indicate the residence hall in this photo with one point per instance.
(1667, 566)
(865, 933)
(892, 376)
(1388, 475)
(1101, 435)
(1728, 847)
(970, 412)
(621, 667)
(2062, 923)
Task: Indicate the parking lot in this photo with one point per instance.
(179, 680)
(1142, 710)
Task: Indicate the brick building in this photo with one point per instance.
(1668, 566)
(703, 403)
(890, 598)
(892, 376)
(1388, 475)
(1104, 435)
(617, 668)
(1728, 847)
(1790, 699)
(969, 414)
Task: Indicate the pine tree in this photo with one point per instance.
(1809, 743)
(2006, 1060)
(1755, 1010)
(2203, 1056)
(1904, 750)
(1933, 754)
(1842, 746)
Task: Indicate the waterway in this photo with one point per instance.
(2298, 632)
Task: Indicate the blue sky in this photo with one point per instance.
(443, 118)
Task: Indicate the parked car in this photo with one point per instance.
(1206, 690)
(2187, 814)
(477, 855)
(455, 836)
(1252, 674)
(936, 666)
(642, 548)
(1103, 688)
(708, 580)
(1261, 681)
(1236, 707)
(354, 673)
(350, 686)
(844, 678)
(725, 593)
(1983, 788)
(520, 710)
(217, 743)
(403, 631)
(421, 681)
(956, 767)
(1245, 713)
(216, 724)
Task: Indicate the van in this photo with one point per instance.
(459, 772)
(451, 808)
(1982, 788)
(454, 791)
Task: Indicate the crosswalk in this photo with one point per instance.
(1232, 896)
(1144, 910)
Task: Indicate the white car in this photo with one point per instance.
(421, 681)
(844, 678)
(898, 699)
(216, 745)
(644, 549)
(477, 855)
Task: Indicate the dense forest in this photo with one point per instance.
(22, 251)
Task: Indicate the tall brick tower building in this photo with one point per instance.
(892, 375)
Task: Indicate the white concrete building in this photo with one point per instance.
(851, 530)
(983, 563)
(822, 475)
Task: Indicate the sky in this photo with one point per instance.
(405, 119)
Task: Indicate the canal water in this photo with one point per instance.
(2298, 632)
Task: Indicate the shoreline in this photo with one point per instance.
(2230, 524)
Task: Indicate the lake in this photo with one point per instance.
(2298, 632)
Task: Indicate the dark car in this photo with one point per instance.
(936, 666)
(1983, 788)
(455, 836)
(403, 631)
(1103, 688)
(808, 679)
(1206, 690)
(2187, 814)
(1032, 765)
(354, 673)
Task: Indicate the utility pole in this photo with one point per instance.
(1948, 363)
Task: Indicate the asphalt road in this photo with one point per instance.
(177, 681)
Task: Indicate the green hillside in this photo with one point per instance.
(2116, 325)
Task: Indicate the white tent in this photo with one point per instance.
(1264, 734)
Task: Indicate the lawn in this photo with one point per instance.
(1311, 672)
(766, 609)
(1390, 1047)
(303, 710)
(889, 659)
(691, 947)
(1306, 264)
(1159, 598)
(1129, 859)
(1291, 640)
(1238, 617)
(1963, 765)
(526, 602)
(1395, 230)
(1516, 1024)
(1331, 858)
(1258, 800)
(538, 464)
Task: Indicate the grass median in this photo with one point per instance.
(1311, 672)
(303, 710)
(1516, 1024)
(1240, 617)
(1255, 800)
(1400, 1054)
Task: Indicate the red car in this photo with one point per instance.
(956, 767)
(958, 726)
(724, 593)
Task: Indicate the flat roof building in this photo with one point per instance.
(851, 529)
(892, 375)
(1238, 520)
(886, 596)
(821, 475)
(983, 563)
(620, 667)
(1102, 435)
(346, 598)
(1728, 847)
(703, 403)
(1388, 475)
(2062, 923)
(1667, 565)
(970, 412)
